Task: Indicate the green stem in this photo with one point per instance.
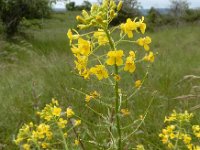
(63, 138)
(112, 46)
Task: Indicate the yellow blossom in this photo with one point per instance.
(56, 111)
(71, 36)
(69, 112)
(142, 25)
(101, 36)
(130, 65)
(125, 112)
(76, 142)
(138, 83)
(187, 139)
(144, 42)
(129, 27)
(115, 57)
(44, 145)
(150, 57)
(26, 146)
(65, 134)
(140, 147)
(54, 101)
(77, 122)
(88, 98)
(62, 123)
(132, 54)
(84, 46)
(100, 71)
(117, 77)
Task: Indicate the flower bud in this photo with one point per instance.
(99, 19)
(112, 13)
(85, 14)
(119, 6)
(80, 19)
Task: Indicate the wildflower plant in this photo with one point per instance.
(98, 55)
(179, 133)
(53, 131)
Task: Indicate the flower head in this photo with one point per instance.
(100, 71)
(115, 57)
(69, 112)
(144, 42)
(129, 27)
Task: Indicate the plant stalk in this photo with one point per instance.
(112, 46)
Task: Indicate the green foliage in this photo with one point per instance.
(192, 15)
(71, 6)
(154, 19)
(13, 11)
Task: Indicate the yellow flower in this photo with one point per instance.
(100, 71)
(186, 139)
(125, 112)
(76, 142)
(77, 122)
(138, 83)
(196, 147)
(150, 57)
(132, 54)
(71, 36)
(130, 65)
(84, 46)
(140, 147)
(95, 94)
(65, 134)
(88, 98)
(69, 112)
(101, 36)
(55, 102)
(56, 111)
(62, 123)
(44, 145)
(117, 77)
(81, 65)
(115, 57)
(144, 42)
(26, 146)
(142, 25)
(129, 27)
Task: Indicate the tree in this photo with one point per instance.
(13, 11)
(178, 9)
(130, 9)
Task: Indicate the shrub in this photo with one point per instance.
(13, 11)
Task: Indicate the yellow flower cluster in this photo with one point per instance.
(87, 44)
(178, 131)
(44, 134)
(100, 15)
(196, 130)
(30, 134)
(180, 117)
(91, 96)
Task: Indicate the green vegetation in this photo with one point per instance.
(39, 67)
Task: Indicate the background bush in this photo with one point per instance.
(13, 11)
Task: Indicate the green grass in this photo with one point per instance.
(35, 69)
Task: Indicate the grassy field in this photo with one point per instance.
(36, 68)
